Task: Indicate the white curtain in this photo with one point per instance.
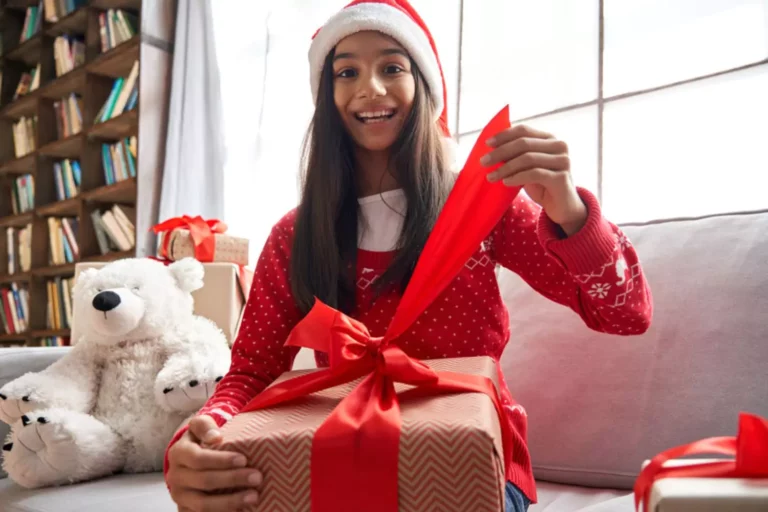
(193, 174)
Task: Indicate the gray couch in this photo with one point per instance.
(598, 405)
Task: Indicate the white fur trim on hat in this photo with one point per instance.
(387, 20)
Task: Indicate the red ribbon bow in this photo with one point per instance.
(354, 461)
(749, 447)
(200, 230)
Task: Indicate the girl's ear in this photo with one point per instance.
(188, 273)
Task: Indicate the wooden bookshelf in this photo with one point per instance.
(92, 83)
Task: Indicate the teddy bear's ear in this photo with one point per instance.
(83, 277)
(188, 273)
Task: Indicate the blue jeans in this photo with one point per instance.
(514, 499)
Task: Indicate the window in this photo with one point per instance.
(663, 102)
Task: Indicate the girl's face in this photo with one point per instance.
(373, 88)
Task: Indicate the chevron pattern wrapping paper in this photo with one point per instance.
(450, 447)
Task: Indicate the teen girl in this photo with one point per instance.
(376, 177)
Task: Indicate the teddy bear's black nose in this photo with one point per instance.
(106, 301)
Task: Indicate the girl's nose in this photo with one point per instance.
(372, 87)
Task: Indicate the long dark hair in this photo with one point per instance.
(324, 254)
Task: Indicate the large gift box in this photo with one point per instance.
(668, 484)
(221, 299)
(195, 237)
(450, 455)
(378, 430)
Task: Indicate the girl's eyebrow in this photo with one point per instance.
(386, 51)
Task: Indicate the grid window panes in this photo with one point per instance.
(691, 150)
(656, 42)
(535, 56)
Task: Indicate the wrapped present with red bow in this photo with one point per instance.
(739, 482)
(204, 240)
(378, 430)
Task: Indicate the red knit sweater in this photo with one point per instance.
(595, 272)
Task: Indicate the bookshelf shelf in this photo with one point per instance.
(74, 81)
(15, 278)
(45, 333)
(120, 192)
(117, 4)
(117, 62)
(19, 220)
(116, 128)
(67, 207)
(24, 106)
(21, 165)
(84, 208)
(74, 22)
(54, 270)
(27, 52)
(71, 147)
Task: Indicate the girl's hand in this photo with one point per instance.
(205, 480)
(539, 163)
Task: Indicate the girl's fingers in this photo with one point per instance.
(517, 132)
(189, 499)
(531, 176)
(218, 480)
(518, 147)
(192, 456)
(204, 429)
(527, 161)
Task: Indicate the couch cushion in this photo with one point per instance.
(122, 493)
(15, 362)
(598, 405)
(129, 493)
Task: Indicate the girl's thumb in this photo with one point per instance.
(205, 429)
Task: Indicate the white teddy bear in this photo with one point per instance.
(142, 364)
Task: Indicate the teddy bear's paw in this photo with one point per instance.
(191, 393)
(58, 446)
(41, 451)
(16, 399)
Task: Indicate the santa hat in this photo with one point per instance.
(398, 20)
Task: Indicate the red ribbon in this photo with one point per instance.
(749, 447)
(354, 464)
(200, 230)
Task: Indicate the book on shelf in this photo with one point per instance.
(123, 96)
(114, 228)
(62, 240)
(15, 310)
(59, 308)
(54, 341)
(24, 135)
(119, 160)
(68, 53)
(19, 244)
(116, 26)
(32, 22)
(23, 194)
(57, 9)
(29, 81)
(67, 176)
(69, 115)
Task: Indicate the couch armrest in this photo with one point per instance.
(15, 362)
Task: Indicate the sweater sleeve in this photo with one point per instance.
(258, 354)
(596, 272)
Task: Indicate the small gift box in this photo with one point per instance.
(204, 240)
(378, 430)
(709, 485)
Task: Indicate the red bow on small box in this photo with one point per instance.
(200, 230)
(750, 448)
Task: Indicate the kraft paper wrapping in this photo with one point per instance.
(450, 446)
(229, 249)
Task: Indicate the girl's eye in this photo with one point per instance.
(393, 69)
(347, 73)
